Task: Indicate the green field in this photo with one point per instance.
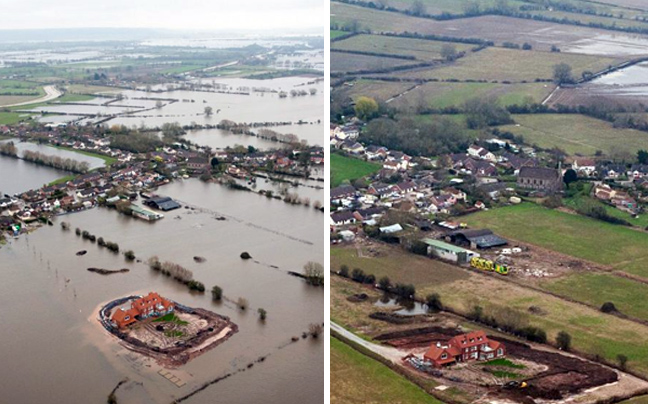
(577, 134)
(512, 65)
(624, 248)
(349, 169)
(9, 118)
(628, 296)
(107, 159)
(440, 95)
(636, 400)
(337, 34)
(592, 331)
(356, 378)
(421, 49)
(583, 201)
(345, 62)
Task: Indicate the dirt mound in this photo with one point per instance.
(358, 298)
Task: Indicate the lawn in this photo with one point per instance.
(356, 378)
(592, 331)
(584, 200)
(441, 95)
(576, 134)
(624, 248)
(636, 400)
(628, 296)
(378, 90)
(9, 118)
(170, 318)
(512, 65)
(421, 49)
(349, 169)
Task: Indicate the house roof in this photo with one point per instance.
(342, 216)
(540, 173)
(444, 245)
(483, 238)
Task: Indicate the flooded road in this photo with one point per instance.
(57, 345)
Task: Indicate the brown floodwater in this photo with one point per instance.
(54, 350)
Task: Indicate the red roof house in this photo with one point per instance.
(473, 346)
(151, 305)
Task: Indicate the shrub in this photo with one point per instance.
(406, 291)
(77, 231)
(314, 273)
(563, 340)
(315, 330)
(242, 303)
(344, 271)
(154, 263)
(101, 242)
(623, 360)
(358, 275)
(130, 255)
(609, 307)
(262, 314)
(433, 302)
(217, 293)
(384, 283)
(370, 279)
(196, 285)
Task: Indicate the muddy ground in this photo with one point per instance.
(557, 375)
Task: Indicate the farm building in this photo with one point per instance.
(163, 203)
(450, 252)
(145, 214)
(477, 238)
(473, 346)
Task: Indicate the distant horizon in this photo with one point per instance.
(164, 14)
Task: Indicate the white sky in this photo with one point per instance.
(183, 14)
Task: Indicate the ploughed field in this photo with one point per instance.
(539, 34)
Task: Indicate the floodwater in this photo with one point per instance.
(17, 176)
(620, 45)
(93, 162)
(56, 352)
(406, 307)
(220, 139)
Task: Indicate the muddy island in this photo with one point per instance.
(164, 330)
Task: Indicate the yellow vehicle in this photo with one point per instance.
(487, 265)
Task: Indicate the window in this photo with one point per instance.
(126, 318)
(500, 352)
(444, 356)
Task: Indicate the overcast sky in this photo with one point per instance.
(183, 14)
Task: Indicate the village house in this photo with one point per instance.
(479, 152)
(473, 346)
(342, 218)
(151, 305)
(584, 166)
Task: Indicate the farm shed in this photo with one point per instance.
(477, 238)
(450, 252)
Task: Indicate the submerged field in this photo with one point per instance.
(576, 134)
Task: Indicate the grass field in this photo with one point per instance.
(512, 65)
(628, 296)
(349, 169)
(440, 95)
(337, 34)
(9, 118)
(636, 400)
(356, 378)
(421, 49)
(592, 331)
(345, 62)
(624, 249)
(577, 134)
(584, 200)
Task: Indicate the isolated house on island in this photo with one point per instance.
(473, 346)
(151, 305)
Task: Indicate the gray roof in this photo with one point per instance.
(540, 173)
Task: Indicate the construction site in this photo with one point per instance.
(174, 339)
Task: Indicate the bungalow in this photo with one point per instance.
(352, 147)
(376, 152)
(584, 165)
(342, 192)
(342, 218)
(473, 346)
(479, 152)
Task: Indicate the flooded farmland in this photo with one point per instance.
(57, 344)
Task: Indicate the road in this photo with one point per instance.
(390, 353)
(51, 93)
